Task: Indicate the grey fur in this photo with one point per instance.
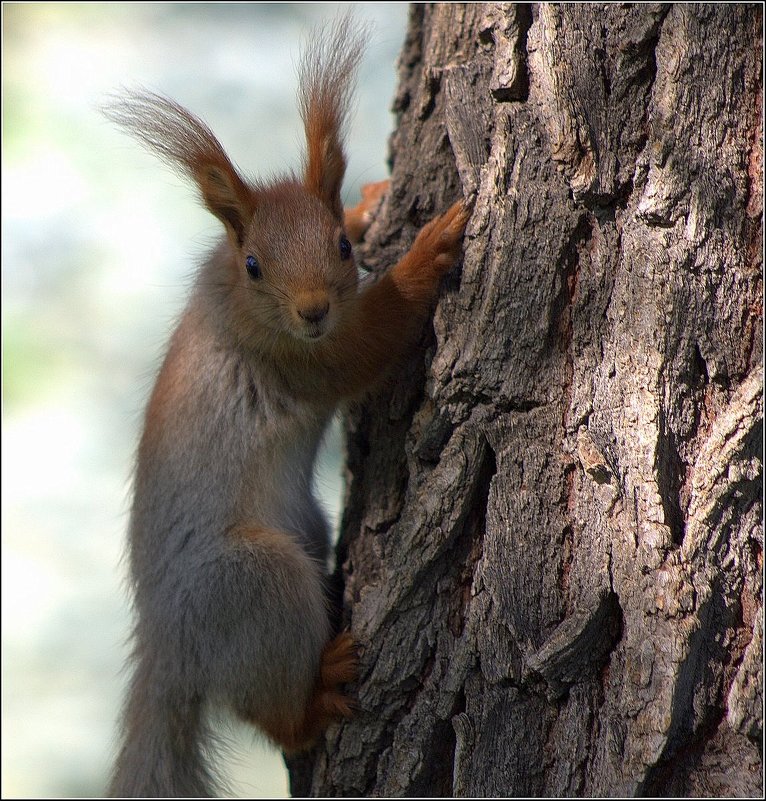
(220, 619)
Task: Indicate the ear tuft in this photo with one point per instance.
(187, 145)
(327, 77)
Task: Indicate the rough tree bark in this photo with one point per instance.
(552, 546)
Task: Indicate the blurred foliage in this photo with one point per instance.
(98, 244)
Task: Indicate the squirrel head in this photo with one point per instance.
(291, 267)
(292, 271)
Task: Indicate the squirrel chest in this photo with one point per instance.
(234, 447)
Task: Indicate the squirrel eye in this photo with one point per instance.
(253, 268)
(345, 247)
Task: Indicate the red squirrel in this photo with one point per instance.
(227, 544)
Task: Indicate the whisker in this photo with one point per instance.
(276, 289)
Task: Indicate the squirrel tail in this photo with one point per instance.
(163, 754)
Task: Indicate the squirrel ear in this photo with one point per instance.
(325, 166)
(326, 82)
(185, 143)
(226, 196)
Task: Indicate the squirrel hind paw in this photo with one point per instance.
(336, 705)
(340, 661)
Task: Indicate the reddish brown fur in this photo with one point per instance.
(389, 315)
(185, 143)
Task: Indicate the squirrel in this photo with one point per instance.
(227, 546)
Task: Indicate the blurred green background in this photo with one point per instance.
(99, 241)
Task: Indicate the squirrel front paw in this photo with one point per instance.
(440, 240)
(357, 219)
(433, 253)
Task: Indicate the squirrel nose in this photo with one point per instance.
(314, 313)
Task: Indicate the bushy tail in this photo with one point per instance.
(164, 744)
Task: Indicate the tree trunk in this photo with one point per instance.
(552, 544)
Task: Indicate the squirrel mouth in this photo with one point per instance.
(313, 334)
